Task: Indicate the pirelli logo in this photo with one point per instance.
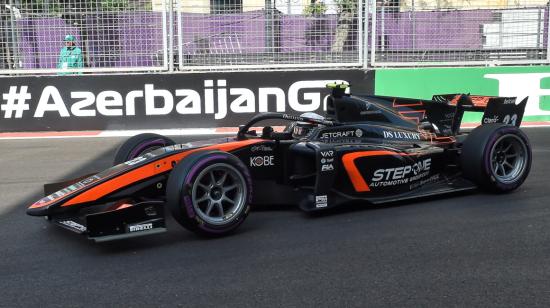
(140, 227)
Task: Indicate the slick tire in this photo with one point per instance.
(497, 157)
(139, 145)
(209, 193)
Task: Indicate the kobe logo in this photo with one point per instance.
(259, 161)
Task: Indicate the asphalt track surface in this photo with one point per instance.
(473, 250)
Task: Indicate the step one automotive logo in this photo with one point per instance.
(401, 175)
(215, 97)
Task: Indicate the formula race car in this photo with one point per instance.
(368, 149)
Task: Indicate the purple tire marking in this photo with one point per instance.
(189, 204)
(188, 179)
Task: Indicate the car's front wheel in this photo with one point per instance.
(496, 157)
(209, 193)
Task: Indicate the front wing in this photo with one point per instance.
(119, 221)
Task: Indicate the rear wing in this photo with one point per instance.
(495, 109)
(444, 111)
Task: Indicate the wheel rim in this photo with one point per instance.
(219, 194)
(508, 158)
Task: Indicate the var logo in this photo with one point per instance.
(327, 153)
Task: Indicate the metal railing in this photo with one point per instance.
(478, 33)
(193, 35)
(160, 35)
(44, 37)
(275, 35)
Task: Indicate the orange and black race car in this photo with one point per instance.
(369, 149)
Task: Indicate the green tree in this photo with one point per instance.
(114, 5)
(315, 8)
(347, 10)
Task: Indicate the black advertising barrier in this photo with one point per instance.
(156, 101)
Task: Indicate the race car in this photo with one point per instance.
(367, 149)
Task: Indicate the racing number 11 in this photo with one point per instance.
(510, 119)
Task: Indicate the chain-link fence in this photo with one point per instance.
(66, 36)
(78, 36)
(459, 32)
(296, 33)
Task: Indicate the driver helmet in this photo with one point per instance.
(302, 129)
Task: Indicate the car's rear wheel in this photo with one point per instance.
(139, 145)
(496, 157)
(209, 193)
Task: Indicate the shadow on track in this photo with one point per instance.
(175, 234)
